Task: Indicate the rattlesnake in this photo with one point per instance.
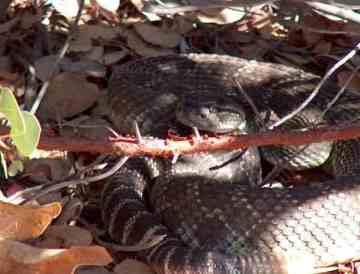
(228, 227)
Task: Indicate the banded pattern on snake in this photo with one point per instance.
(225, 226)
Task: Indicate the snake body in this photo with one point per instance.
(213, 226)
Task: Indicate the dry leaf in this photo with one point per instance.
(51, 169)
(95, 54)
(29, 19)
(110, 5)
(65, 236)
(88, 67)
(92, 128)
(322, 48)
(139, 4)
(220, 16)
(45, 65)
(5, 64)
(23, 223)
(310, 37)
(144, 49)
(83, 41)
(182, 24)
(8, 25)
(316, 21)
(158, 36)
(68, 8)
(19, 258)
(114, 57)
(133, 267)
(68, 94)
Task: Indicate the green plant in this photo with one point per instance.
(25, 128)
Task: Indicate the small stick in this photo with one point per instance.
(340, 63)
(139, 138)
(33, 193)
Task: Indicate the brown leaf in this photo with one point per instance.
(65, 236)
(158, 36)
(144, 49)
(96, 53)
(19, 258)
(219, 16)
(114, 57)
(46, 168)
(5, 27)
(182, 24)
(69, 94)
(311, 37)
(45, 64)
(83, 42)
(93, 128)
(23, 223)
(322, 48)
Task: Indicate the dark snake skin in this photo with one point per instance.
(148, 91)
(213, 226)
(229, 228)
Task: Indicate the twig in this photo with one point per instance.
(251, 103)
(168, 10)
(337, 65)
(60, 56)
(342, 90)
(33, 193)
(168, 147)
(343, 13)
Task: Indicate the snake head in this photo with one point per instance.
(217, 114)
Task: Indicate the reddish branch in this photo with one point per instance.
(169, 147)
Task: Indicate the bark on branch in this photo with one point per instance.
(169, 147)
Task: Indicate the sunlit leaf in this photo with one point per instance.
(111, 5)
(28, 141)
(23, 223)
(10, 108)
(68, 8)
(19, 258)
(25, 129)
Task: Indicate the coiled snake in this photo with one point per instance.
(215, 224)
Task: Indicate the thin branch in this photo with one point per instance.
(60, 56)
(341, 62)
(342, 90)
(169, 147)
(163, 9)
(343, 13)
(33, 193)
(251, 103)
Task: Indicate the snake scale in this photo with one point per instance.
(213, 224)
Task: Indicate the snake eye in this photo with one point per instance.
(204, 113)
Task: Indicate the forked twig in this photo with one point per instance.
(337, 65)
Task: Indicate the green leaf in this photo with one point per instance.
(28, 141)
(10, 108)
(25, 128)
